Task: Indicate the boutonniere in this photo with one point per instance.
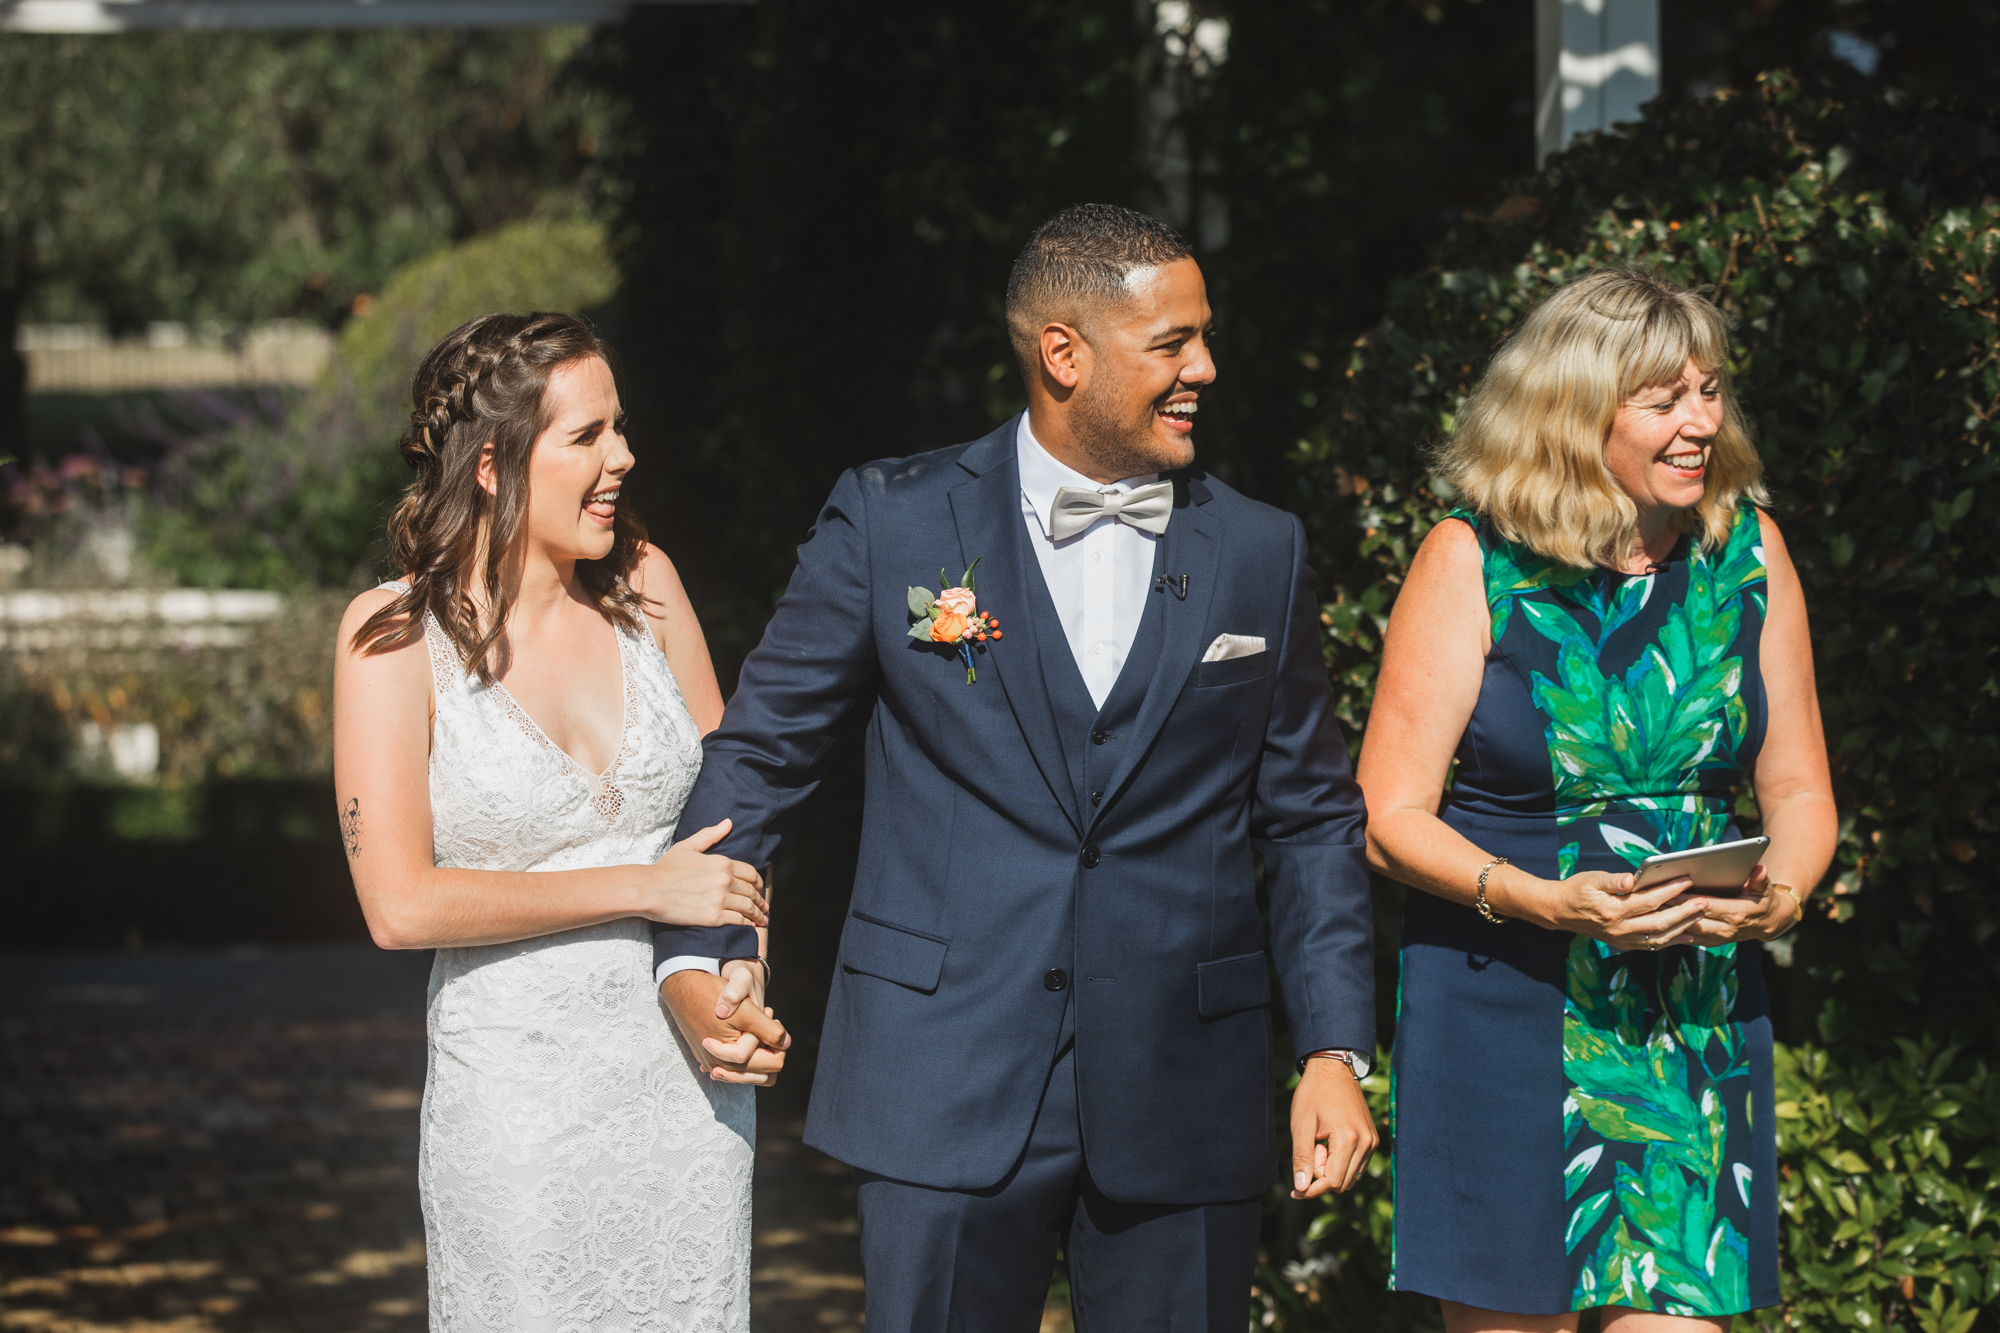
(952, 619)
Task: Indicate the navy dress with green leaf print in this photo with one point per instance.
(1575, 1126)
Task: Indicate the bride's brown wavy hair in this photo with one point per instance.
(486, 382)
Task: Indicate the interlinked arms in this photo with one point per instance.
(817, 657)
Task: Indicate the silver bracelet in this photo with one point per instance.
(1479, 898)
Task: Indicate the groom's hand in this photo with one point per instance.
(748, 1047)
(1333, 1135)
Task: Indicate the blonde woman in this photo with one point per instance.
(1609, 638)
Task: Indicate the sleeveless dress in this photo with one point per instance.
(577, 1170)
(1574, 1126)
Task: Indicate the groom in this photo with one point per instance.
(1049, 1024)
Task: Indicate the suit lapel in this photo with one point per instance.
(1193, 546)
(987, 512)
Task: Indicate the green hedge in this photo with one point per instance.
(1887, 1176)
(1851, 232)
(259, 708)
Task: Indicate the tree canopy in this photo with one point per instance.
(239, 176)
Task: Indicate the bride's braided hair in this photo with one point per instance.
(485, 383)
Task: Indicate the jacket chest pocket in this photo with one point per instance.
(1231, 985)
(1231, 671)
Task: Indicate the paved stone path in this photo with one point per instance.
(225, 1143)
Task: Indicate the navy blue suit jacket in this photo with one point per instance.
(976, 879)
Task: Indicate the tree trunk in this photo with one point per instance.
(13, 378)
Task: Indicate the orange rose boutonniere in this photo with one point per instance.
(952, 619)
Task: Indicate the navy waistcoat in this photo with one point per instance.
(1094, 739)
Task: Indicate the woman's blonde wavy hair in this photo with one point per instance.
(1527, 450)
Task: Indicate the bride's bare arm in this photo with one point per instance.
(381, 761)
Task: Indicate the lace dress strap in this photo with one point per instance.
(447, 672)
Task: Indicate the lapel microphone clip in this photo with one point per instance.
(1178, 589)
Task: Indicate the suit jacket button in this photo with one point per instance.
(1090, 858)
(1097, 738)
(1056, 979)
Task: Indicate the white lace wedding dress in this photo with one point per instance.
(578, 1172)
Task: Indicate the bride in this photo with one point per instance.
(518, 721)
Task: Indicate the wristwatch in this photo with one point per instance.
(1347, 1058)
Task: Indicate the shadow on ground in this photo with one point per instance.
(220, 1142)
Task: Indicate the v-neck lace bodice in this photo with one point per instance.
(605, 795)
(506, 797)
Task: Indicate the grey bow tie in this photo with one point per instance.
(1147, 507)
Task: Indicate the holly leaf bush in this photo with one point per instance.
(1887, 1182)
(1850, 232)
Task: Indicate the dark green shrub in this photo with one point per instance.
(33, 740)
(257, 707)
(1887, 1185)
(822, 203)
(1851, 232)
(1889, 1172)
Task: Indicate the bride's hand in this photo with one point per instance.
(690, 887)
(742, 979)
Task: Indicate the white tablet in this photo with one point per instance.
(1721, 868)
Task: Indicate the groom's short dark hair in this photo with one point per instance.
(1078, 262)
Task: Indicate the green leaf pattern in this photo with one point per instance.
(1512, 571)
(1652, 1055)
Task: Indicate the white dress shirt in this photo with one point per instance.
(1098, 579)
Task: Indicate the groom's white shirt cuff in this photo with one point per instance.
(686, 962)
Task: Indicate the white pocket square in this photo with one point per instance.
(1227, 646)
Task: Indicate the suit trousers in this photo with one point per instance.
(979, 1261)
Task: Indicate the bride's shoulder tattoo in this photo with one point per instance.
(350, 827)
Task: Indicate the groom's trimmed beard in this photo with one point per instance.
(1121, 447)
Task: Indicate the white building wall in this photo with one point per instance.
(1596, 63)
